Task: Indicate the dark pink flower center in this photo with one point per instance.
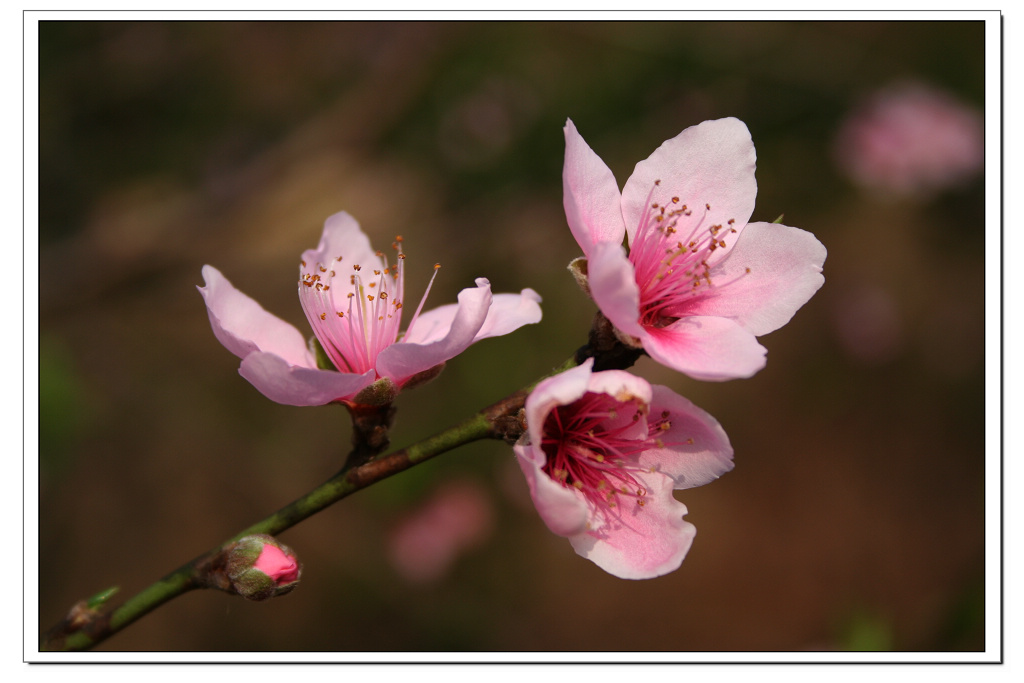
(592, 445)
(674, 255)
(356, 314)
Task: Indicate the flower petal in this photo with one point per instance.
(243, 326)
(564, 511)
(343, 237)
(697, 449)
(644, 541)
(300, 386)
(508, 312)
(620, 385)
(590, 194)
(559, 390)
(613, 287)
(706, 348)
(711, 163)
(402, 360)
(785, 271)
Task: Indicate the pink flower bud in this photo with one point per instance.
(259, 567)
(277, 565)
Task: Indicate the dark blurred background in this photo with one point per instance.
(854, 517)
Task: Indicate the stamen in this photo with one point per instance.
(416, 315)
(670, 272)
(588, 449)
(353, 338)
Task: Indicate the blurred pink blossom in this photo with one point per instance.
(911, 139)
(424, 546)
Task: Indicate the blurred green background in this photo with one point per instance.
(854, 516)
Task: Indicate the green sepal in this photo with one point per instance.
(779, 219)
(253, 584)
(323, 361)
(380, 393)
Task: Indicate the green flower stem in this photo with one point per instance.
(88, 627)
(347, 482)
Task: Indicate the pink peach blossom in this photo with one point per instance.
(699, 282)
(354, 300)
(603, 452)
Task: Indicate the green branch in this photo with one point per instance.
(86, 626)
